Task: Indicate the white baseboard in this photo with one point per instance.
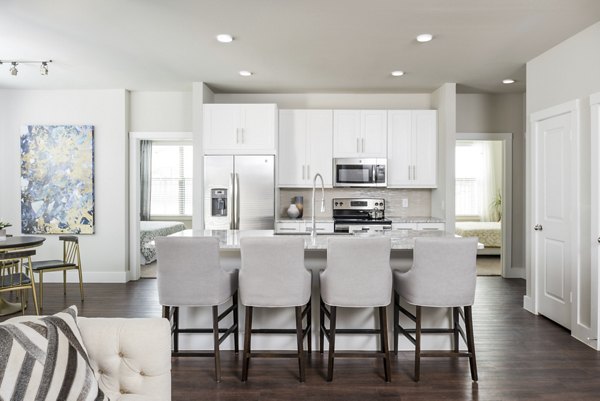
(88, 277)
(528, 304)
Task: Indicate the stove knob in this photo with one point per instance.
(376, 204)
(341, 203)
(336, 203)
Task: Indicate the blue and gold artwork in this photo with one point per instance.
(57, 179)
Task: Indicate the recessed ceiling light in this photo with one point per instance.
(397, 73)
(245, 73)
(508, 81)
(424, 37)
(225, 38)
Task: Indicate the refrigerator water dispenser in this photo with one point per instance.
(219, 202)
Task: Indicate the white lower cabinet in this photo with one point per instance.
(419, 226)
(302, 226)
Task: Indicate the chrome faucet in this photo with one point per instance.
(314, 222)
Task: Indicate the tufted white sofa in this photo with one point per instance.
(131, 357)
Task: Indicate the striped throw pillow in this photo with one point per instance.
(45, 359)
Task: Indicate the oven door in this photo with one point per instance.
(359, 173)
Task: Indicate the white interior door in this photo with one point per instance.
(553, 217)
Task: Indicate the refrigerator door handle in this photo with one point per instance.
(237, 201)
(231, 200)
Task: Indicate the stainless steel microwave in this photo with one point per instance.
(359, 172)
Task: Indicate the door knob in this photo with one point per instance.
(538, 227)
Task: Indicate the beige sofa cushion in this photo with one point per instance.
(131, 357)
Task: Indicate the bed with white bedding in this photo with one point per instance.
(488, 232)
(152, 229)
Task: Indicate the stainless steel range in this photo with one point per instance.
(352, 215)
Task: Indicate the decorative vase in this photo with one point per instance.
(293, 211)
(2, 235)
(299, 202)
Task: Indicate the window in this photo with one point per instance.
(171, 193)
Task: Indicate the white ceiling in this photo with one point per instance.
(290, 45)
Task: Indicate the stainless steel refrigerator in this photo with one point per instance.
(239, 192)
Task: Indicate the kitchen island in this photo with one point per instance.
(315, 260)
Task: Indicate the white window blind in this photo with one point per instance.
(171, 192)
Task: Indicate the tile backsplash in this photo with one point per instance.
(419, 200)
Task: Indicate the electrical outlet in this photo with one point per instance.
(404, 202)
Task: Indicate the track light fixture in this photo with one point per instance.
(14, 63)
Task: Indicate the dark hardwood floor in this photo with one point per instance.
(520, 357)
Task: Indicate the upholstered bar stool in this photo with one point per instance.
(273, 276)
(190, 274)
(443, 275)
(358, 275)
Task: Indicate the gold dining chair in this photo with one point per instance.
(14, 276)
(71, 261)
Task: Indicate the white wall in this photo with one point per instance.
(569, 71)
(332, 100)
(442, 199)
(161, 111)
(502, 113)
(104, 254)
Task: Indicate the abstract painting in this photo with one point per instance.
(57, 179)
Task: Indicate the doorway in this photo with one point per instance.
(160, 169)
(483, 188)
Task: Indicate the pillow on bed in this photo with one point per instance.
(45, 359)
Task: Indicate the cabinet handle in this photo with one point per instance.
(287, 229)
(408, 172)
(303, 173)
(357, 145)
(538, 227)
(237, 135)
(363, 145)
(242, 130)
(414, 172)
(308, 171)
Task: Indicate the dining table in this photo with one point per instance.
(16, 243)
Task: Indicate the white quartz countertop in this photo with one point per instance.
(407, 219)
(230, 239)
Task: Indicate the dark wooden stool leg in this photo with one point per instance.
(165, 312)
(396, 321)
(300, 340)
(384, 343)
(308, 327)
(176, 330)
(247, 351)
(418, 344)
(321, 323)
(471, 342)
(456, 326)
(236, 333)
(215, 316)
(332, 320)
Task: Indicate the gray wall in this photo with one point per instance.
(570, 71)
(502, 113)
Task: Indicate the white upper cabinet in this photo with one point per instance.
(305, 147)
(359, 133)
(240, 128)
(412, 148)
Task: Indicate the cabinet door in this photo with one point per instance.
(373, 142)
(424, 127)
(399, 148)
(292, 148)
(258, 127)
(221, 127)
(320, 145)
(346, 133)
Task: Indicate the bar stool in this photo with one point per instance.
(443, 275)
(358, 275)
(273, 276)
(189, 274)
